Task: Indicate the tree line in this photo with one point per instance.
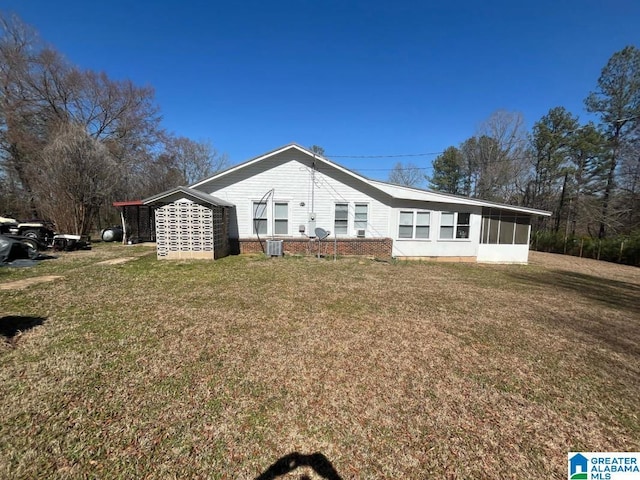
(74, 140)
(587, 174)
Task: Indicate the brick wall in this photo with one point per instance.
(370, 247)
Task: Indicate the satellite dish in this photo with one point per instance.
(321, 233)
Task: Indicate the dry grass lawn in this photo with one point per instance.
(303, 368)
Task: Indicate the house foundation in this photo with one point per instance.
(371, 247)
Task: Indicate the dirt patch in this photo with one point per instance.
(102, 252)
(116, 261)
(20, 284)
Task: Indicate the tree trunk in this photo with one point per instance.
(561, 203)
(602, 231)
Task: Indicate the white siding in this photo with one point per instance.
(494, 253)
(289, 174)
(435, 246)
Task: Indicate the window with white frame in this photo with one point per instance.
(463, 224)
(281, 218)
(270, 218)
(423, 222)
(361, 216)
(259, 218)
(454, 225)
(405, 224)
(414, 224)
(341, 222)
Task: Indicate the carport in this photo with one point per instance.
(138, 224)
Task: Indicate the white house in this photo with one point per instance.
(289, 192)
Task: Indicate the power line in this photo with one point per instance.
(426, 154)
(430, 167)
(403, 169)
(492, 161)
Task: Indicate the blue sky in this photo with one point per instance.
(356, 77)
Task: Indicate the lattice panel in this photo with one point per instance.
(184, 230)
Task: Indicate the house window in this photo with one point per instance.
(447, 224)
(281, 218)
(405, 228)
(423, 220)
(462, 228)
(454, 225)
(341, 224)
(414, 224)
(499, 227)
(260, 218)
(360, 219)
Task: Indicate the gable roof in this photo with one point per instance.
(398, 192)
(180, 192)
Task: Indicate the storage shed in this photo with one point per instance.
(190, 224)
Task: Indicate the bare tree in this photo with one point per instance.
(77, 174)
(182, 162)
(317, 149)
(408, 175)
(195, 160)
(160, 174)
(40, 90)
(504, 162)
(21, 122)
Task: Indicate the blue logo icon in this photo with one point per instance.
(603, 465)
(578, 467)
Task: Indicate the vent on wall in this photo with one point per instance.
(360, 233)
(274, 248)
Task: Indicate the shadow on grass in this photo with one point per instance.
(11, 326)
(621, 336)
(317, 461)
(611, 293)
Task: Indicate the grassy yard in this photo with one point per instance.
(151, 369)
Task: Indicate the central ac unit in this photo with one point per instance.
(274, 248)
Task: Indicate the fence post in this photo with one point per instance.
(581, 245)
(599, 245)
(621, 250)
